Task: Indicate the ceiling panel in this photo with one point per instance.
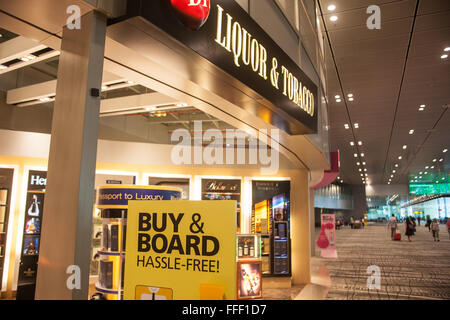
(387, 99)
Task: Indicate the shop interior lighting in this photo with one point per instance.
(2, 67)
(331, 7)
(333, 18)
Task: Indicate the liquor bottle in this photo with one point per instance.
(246, 249)
(240, 250)
(252, 250)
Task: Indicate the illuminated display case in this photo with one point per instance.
(271, 220)
(112, 253)
(248, 246)
(249, 266)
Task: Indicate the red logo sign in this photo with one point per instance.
(192, 13)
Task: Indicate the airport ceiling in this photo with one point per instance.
(391, 72)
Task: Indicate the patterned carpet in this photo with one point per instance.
(409, 270)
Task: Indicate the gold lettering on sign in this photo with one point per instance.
(249, 51)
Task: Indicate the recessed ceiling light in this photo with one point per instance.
(358, 163)
(356, 125)
(364, 163)
(432, 167)
(359, 143)
(338, 100)
(104, 87)
(434, 160)
(447, 49)
(400, 158)
(411, 131)
(346, 126)
(350, 99)
(427, 167)
(362, 155)
(352, 143)
(389, 183)
(420, 172)
(362, 175)
(443, 178)
(365, 170)
(355, 155)
(130, 82)
(392, 175)
(445, 150)
(2, 67)
(421, 109)
(333, 18)
(396, 165)
(359, 169)
(337, 96)
(444, 56)
(393, 171)
(331, 7)
(342, 181)
(440, 160)
(350, 95)
(404, 147)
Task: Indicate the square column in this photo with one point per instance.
(69, 200)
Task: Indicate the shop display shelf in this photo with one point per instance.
(105, 290)
(110, 253)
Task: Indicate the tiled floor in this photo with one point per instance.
(409, 270)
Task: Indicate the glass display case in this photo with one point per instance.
(271, 220)
(111, 233)
(248, 246)
(249, 266)
(111, 253)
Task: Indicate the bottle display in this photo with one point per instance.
(111, 254)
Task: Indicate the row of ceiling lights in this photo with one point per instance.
(435, 160)
(411, 132)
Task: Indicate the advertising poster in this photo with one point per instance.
(249, 279)
(328, 235)
(176, 248)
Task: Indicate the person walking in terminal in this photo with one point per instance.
(409, 228)
(435, 229)
(418, 221)
(448, 227)
(351, 222)
(428, 223)
(392, 224)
